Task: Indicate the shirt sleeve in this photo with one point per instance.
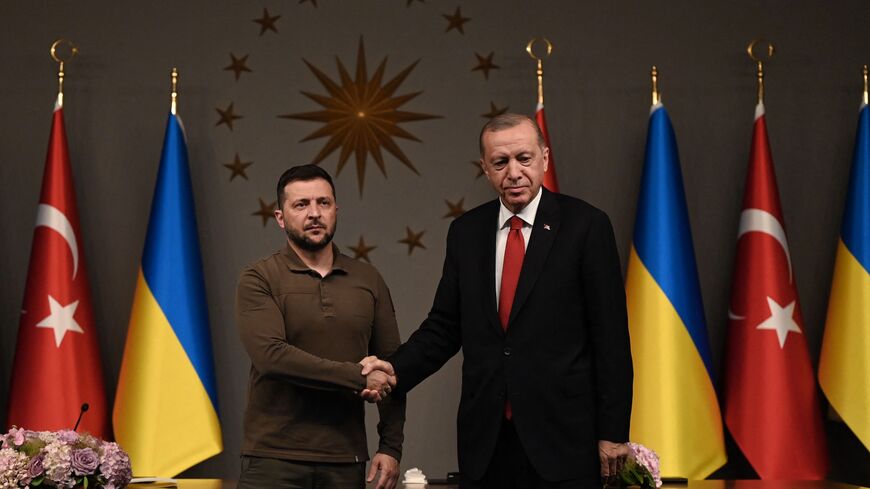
(384, 341)
(261, 328)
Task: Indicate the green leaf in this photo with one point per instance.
(31, 447)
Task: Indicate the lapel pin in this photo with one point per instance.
(547, 227)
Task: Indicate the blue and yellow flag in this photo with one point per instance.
(165, 412)
(844, 366)
(675, 411)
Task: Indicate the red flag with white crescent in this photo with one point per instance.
(57, 360)
(771, 400)
(550, 181)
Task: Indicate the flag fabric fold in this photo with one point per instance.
(771, 403)
(675, 410)
(844, 366)
(57, 360)
(166, 409)
(551, 183)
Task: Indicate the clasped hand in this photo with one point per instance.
(380, 379)
(612, 456)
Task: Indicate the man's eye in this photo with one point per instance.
(499, 163)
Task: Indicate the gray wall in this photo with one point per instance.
(597, 88)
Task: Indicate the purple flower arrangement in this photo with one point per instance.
(61, 459)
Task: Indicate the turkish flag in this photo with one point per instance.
(771, 402)
(550, 181)
(57, 360)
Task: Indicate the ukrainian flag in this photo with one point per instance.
(844, 366)
(165, 413)
(675, 411)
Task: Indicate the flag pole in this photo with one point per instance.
(174, 105)
(866, 102)
(540, 60)
(60, 60)
(750, 50)
(656, 95)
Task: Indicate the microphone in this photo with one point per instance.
(84, 409)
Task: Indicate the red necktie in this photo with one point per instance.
(514, 251)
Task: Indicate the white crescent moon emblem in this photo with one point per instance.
(757, 220)
(53, 218)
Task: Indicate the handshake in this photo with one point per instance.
(380, 379)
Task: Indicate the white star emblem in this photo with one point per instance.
(61, 319)
(780, 320)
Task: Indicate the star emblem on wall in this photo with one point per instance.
(360, 115)
(267, 22)
(413, 240)
(238, 65)
(266, 212)
(361, 250)
(454, 210)
(227, 116)
(455, 21)
(237, 167)
(494, 111)
(485, 64)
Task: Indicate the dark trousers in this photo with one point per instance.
(262, 472)
(510, 468)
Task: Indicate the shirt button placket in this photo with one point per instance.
(326, 300)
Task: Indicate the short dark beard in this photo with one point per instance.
(303, 242)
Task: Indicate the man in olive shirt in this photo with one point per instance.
(307, 315)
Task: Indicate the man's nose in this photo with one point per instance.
(513, 170)
(313, 211)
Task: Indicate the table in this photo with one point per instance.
(706, 484)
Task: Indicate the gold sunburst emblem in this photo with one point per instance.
(360, 115)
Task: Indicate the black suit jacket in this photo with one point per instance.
(565, 360)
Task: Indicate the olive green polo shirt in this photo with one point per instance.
(305, 335)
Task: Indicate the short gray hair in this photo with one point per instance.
(507, 121)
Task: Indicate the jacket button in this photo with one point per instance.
(500, 395)
(507, 351)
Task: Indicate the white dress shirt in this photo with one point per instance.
(527, 214)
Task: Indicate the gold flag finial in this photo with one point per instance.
(865, 86)
(540, 60)
(656, 95)
(68, 54)
(750, 50)
(174, 104)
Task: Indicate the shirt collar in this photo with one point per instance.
(295, 264)
(527, 214)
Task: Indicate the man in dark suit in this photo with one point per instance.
(532, 292)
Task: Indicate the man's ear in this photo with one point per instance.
(546, 153)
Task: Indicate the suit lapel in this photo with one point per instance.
(487, 265)
(544, 233)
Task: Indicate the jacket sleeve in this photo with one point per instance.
(261, 328)
(439, 336)
(607, 318)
